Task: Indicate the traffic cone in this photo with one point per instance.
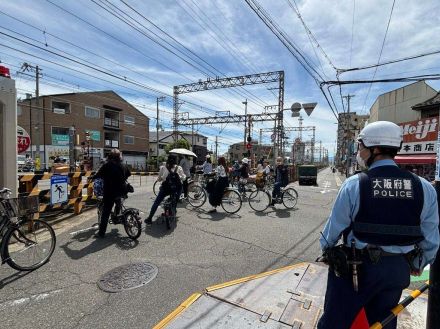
(361, 321)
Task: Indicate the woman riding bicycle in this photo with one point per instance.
(217, 188)
(172, 185)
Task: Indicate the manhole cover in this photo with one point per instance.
(127, 277)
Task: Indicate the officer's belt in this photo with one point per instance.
(368, 250)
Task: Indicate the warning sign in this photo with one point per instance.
(58, 189)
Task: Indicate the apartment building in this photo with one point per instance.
(92, 122)
(197, 141)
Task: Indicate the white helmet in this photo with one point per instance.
(245, 160)
(381, 133)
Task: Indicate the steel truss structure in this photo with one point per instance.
(230, 82)
(300, 129)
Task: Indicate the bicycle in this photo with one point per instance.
(129, 217)
(169, 211)
(27, 244)
(244, 187)
(193, 192)
(261, 199)
(231, 200)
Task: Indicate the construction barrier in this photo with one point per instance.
(28, 186)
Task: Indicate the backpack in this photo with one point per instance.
(98, 187)
(172, 183)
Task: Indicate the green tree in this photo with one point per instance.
(180, 144)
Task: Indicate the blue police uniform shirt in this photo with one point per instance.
(346, 208)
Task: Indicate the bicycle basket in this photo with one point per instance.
(17, 207)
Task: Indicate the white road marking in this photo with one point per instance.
(20, 301)
(84, 230)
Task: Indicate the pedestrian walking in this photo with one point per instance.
(218, 186)
(388, 221)
(184, 163)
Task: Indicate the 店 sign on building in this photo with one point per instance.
(420, 136)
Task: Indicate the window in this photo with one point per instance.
(128, 139)
(92, 112)
(19, 111)
(60, 107)
(129, 120)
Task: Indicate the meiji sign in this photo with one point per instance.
(420, 130)
(420, 136)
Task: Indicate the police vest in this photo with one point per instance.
(391, 202)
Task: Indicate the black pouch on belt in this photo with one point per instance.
(337, 258)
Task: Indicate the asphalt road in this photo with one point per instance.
(202, 250)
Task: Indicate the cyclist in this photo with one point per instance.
(235, 170)
(281, 179)
(218, 186)
(172, 185)
(207, 166)
(114, 175)
(244, 174)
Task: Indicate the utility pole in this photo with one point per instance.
(245, 121)
(36, 69)
(216, 148)
(158, 99)
(320, 150)
(348, 135)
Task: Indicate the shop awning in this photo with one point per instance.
(415, 159)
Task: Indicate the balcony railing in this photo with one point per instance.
(109, 122)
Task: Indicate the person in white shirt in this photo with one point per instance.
(207, 165)
(184, 163)
(217, 187)
(172, 185)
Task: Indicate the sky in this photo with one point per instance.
(141, 49)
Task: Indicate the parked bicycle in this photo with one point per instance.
(129, 217)
(231, 200)
(27, 243)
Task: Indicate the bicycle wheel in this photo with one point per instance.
(259, 200)
(294, 191)
(289, 197)
(28, 245)
(231, 201)
(196, 195)
(132, 223)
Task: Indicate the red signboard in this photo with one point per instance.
(420, 136)
(23, 140)
(248, 146)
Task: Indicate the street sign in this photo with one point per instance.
(58, 189)
(23, 140)
(309, 107)
(248, 146)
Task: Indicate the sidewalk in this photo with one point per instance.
(290, 297)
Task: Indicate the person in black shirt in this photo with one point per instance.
(281, 179)
(114, 174)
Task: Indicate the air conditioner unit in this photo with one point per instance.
(59, 111)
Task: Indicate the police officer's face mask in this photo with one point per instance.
(361, 162)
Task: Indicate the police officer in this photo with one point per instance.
(385, 213)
